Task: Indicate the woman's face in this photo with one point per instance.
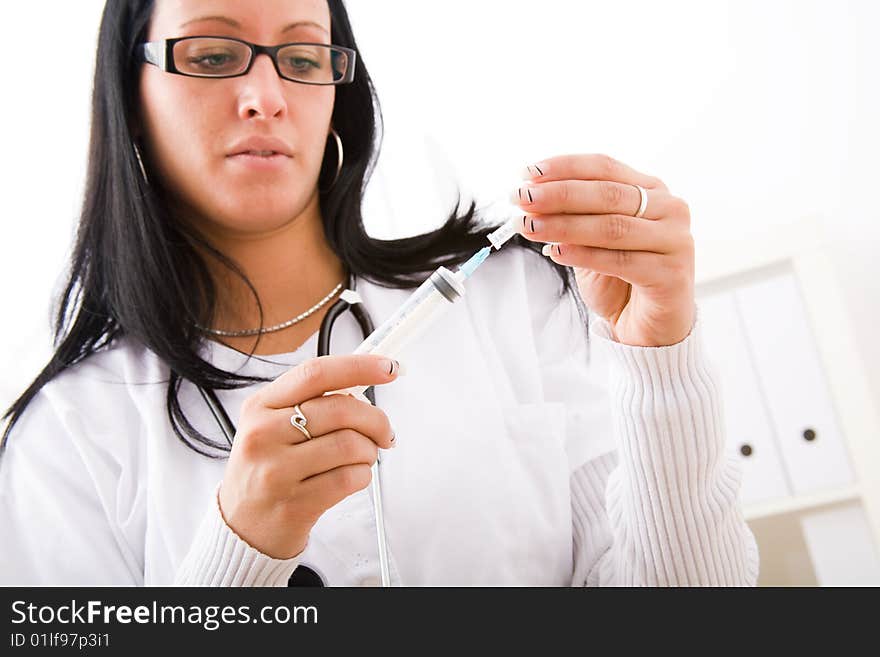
(195, 128)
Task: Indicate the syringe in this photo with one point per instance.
(422, 307)
(419, 311)
(439, 292)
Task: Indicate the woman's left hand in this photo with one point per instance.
(637, 273)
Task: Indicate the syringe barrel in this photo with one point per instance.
(415, 315)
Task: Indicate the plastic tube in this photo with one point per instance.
(421, 309)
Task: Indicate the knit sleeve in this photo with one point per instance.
(663, 508)
(219, 557)
(654, 494)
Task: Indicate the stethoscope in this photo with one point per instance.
(348, 300)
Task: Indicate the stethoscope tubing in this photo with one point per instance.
(366, 324)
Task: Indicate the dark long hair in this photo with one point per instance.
(136, 272)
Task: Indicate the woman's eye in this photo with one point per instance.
(221, 60)
(302, 64)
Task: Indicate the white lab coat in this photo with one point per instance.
(500, 405)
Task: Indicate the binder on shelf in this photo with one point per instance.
(793, 383)
(749, 431)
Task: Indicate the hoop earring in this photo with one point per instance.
(340, 157)
(137, 154)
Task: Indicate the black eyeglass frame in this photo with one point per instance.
(161, 54)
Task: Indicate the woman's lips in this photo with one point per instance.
(260, 161)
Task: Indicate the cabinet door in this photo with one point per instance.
(793, 383)
(749, 431)
(841, 547)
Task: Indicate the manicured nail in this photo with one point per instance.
(533, 171)
(545, 250)
(524, 195)
(393, 438)
(534, 225)
(550, 249)
(392, 366)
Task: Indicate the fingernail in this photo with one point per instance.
(393, 438)
(533, 171)
(524, 195)
(534, 225)
(548, 249)
(391, 366)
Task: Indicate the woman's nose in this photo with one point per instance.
(262, 93)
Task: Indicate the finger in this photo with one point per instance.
(635, 267)
(589, 167)
(606, 231)
(331, 451)
(330, 488)
(334, 412)
(273, 426)
(591, 197)
(327, 414)
(316, 376)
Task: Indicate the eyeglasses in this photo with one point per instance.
(223, 57)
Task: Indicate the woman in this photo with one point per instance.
(223, 198)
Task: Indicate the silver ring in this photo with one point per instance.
(643, 202)
(299, 421)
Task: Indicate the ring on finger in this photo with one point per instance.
(643, 202)
(299, 421)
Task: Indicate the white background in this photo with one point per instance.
(757, 113)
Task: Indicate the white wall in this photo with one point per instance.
(757, 113)
(44, 131)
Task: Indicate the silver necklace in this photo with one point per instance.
(277, 327)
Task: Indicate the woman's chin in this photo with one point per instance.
(257, 217)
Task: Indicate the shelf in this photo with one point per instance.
(802, 502)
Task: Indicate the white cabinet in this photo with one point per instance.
(798, 411)
(793, 383)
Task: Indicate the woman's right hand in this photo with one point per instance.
(277, 483)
